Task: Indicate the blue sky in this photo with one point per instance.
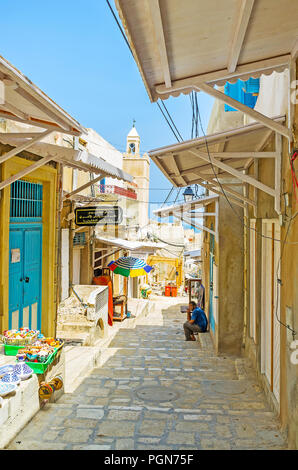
(75, 53)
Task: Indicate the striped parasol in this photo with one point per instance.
(129, 267)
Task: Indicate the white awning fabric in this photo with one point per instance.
(78, 159)
(134, 246)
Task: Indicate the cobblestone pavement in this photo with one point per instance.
(157, 391)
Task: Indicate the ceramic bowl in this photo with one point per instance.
(5, 369)
(11, 378)
(23, 371)
(21, 357)
(5, 388)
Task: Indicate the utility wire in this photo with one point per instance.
(171, 120)
(128, 45)
(119, 26)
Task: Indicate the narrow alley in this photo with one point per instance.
(156, 391)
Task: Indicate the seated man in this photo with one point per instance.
(197, 322)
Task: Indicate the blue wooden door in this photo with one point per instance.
(211, 261)
(25, 254)
(25, 245)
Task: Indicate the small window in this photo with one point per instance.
(25, 200)
(132, 148)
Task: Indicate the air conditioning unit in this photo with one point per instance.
(96, 300)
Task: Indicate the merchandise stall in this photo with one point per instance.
(27, 352)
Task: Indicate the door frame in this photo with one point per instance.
(23, 226)
(270, 328)
(47, 176)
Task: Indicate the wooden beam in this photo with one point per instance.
(25, 171)
(200, 181)
(24, 146)
(192, 224)
(19, 135)
(17, 112)
(31, 99)
(158, 33)
(243, 16)
(81, 188)
(177, 172)
(268, 122)
(245, 178)
(31, 121)
(240, 155)
(221, 76)
(227, 190)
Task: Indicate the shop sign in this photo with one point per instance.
(100, 215)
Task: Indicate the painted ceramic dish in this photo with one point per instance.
(6, 369)
(11, 378)
(23, 371)
(5, 389)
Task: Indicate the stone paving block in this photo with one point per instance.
(76, 435)
(80, 423)
(123, 415)
(90, 413)
(92, 447)
(124, 444)
(116, 428)
(96, 392)
(37, 445)
(181, 438)
(197, 427)
(152, 428)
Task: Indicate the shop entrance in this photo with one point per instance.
(25, 255)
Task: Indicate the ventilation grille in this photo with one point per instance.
(101, 300)
(25, 200)
(79, 239)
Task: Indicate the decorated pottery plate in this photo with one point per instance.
(23, 371)
(5, 389)
(5, 369)
(10, 378)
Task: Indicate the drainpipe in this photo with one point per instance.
(245, 265)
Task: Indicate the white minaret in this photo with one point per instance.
(133, 142)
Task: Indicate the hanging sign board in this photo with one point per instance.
(100, 215)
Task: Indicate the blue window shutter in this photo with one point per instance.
(244, 92)
(252, 85)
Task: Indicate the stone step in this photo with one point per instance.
(84, 338)
(75, 326)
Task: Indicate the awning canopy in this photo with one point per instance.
(222, 156)
(183, 46)
(186, 212)
(77, 159)
(193, 254)
(178, 43)
(185, 207)
(22, 101)
(133, 246)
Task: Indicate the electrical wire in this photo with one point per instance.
(128, 45)
(278, 281)
(171, 120)
(119, 26)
